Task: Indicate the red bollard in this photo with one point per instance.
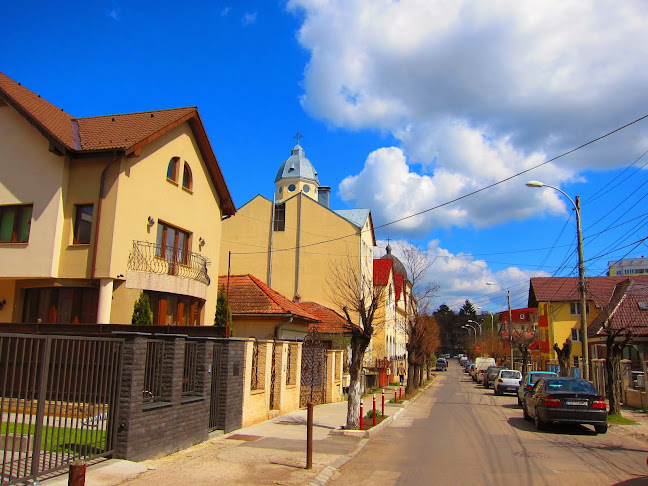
(361, 415)
(395, 396)
(374, 409)
(77, 473)
(383, 403)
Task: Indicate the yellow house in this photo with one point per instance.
(94, 210)
(291, 243)
(558, 303)
(395, 312)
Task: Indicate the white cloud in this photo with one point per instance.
(225, 11)
(461, 277)
(115, 12)
(476, 92)
(249, 18)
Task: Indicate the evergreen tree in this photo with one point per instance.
(142, 315)
(223, 315)
(468, 309)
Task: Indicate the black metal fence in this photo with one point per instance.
(58, 402)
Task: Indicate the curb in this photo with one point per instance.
(328, 472)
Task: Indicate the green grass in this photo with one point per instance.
(62, 439)
(619, 420)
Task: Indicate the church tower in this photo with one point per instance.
(296, 175)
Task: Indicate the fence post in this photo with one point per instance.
(309, 437)
(361, 415)
(77, 473)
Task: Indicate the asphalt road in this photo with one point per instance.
(460, 433)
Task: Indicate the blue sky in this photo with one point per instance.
(403, 106)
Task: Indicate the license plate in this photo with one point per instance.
(580, 403)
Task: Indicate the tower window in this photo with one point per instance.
(291, 187)
(306, 188)
(279, 217)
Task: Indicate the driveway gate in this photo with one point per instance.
(59, 397)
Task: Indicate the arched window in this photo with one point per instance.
(187, 181)
(172, 169)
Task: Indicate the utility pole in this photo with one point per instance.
(581, 288)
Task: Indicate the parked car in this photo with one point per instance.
(481, 364)
(463, 360)
(491, 375)
(565, 400)
(507, 381)
(469, 366)
(441, 364)
(529, 380)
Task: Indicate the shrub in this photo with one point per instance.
(223, 315)
(142, 315)
(370, 413)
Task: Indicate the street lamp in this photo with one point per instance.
(467, 327)
(581, 274)
(508, 292)
(479, 324)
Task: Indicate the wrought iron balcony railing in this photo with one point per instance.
(167, 260)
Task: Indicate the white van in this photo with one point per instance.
(481, 365)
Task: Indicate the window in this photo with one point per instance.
(172, 245)
(306, 188)
(175, 310)
(574, 308)
(172, 169)
(291, 187)
(187, 181)
(279, 217)
(82, 224)
(575, 334)
(69, 305)
(15, 222)
(576, 363)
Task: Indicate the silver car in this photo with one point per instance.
(507, 381)
(530, 379)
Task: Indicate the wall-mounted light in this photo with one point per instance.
(150, 222)
(3, 302)
(201, 242)
(121, 275)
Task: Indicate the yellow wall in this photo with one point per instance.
(561, 322)
(299, 187)
(264, 328)
(247, 236)
(31, 174)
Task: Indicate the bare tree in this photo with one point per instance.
(421, 329)
(523, 340)
(354, 293)
(564, 356)
(615, 341)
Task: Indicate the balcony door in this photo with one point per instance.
(172, 245)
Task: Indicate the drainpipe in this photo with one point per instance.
(299, 207)
(272, 222)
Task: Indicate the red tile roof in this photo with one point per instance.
(381, 270)
(627, 309)
(330, 321)
(250, 296)
(126, 133)
(564, 289)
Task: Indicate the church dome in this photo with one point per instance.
(297, 166)
(397, 264)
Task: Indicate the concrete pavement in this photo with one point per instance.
(270, 452)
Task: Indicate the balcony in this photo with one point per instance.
(167, 260)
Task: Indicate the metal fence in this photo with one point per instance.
(59, 398)
(153, 258)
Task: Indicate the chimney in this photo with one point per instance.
(324, 196)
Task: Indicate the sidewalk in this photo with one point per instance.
(271, 452)
(639, 431)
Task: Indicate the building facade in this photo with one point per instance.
(628, 267)
(95, 210)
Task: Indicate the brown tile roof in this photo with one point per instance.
(563, 289)
(627, 309)
(126, 133)
(250, 296)
(330, 321)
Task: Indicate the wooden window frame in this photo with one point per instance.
(172, 169)
(279, 217)
(18, 219)
(78, 211)
(187, 178)
(164, 245)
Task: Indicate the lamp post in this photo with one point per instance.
(479, 324)
(508, 292)
(581, 274)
